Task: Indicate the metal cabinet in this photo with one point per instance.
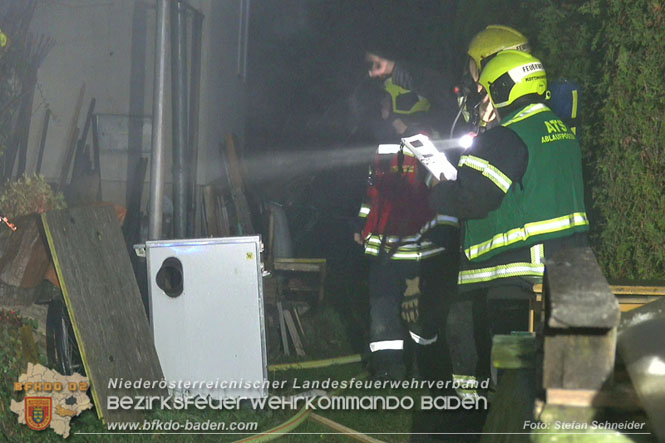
(206, 305)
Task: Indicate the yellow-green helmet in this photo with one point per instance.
(4, 40)
(405, 101)
(512, 74)
(493, 39)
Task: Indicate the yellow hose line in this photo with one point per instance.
(343, 430)
(291, 423)
(281, 429)
(356, 358)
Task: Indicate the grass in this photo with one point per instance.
(328, 335)
(12, 364)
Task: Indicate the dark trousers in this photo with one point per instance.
(387, 283)
(474, 317)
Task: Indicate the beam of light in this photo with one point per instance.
(278, 165)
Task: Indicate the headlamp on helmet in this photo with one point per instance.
(511, 75)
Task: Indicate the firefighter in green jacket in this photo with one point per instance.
(519, 192)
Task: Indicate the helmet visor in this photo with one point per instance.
(500, 89)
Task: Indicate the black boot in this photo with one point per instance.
(388, 365)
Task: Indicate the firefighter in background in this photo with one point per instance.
(413, 251)
(477, 113)
(520, 193)
(435, 85)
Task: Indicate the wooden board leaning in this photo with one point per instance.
(104, 304)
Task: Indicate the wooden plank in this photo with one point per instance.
(348, 432)
(282, 328)
(132, 225)
(270, 259)
(511, 407)
(627, 302)
(70, 145)
(83, 189)
(237, 188)
(301, 260)
(296, 316)
(638, 299)
(625, 307)
(104, 304)
(297, 267)
(293, 332)
(96, 156)
(304, 265)
(582, 316)
(637, 290)
(42, 142)
(209, 204)
(620, 398)
(621, 289)
(24, 259)
(82, 163)
(578, 294)
(287, 264)
(223, 216)
(575, 360)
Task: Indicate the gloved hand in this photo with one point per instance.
(410, 308)
(411, 301)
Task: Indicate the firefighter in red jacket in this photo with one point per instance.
(413, 250)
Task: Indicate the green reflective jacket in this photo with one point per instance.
(549, 201)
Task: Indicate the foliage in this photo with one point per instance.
(12, 365)
(613, 49)
(28, 195)
(630, 160)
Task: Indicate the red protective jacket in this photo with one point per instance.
(396, 202)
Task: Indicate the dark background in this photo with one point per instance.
(307, 75)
